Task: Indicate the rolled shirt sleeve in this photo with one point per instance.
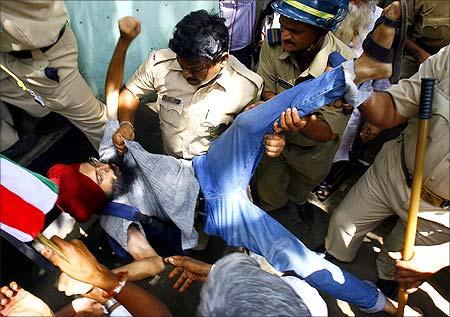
(336, 120)
(406, 94)
(142, 81)
(266, 68)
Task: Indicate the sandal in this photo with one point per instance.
(322, 192)
(394, 54)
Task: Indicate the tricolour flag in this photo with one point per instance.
(25, 198)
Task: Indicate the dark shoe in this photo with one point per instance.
(322, 192)
(306, 214)
(388, 287)
(329, 257)
(320, 250)
(25, 143)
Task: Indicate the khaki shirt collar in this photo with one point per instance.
(224, 77)
(318, 64)
(175, 66)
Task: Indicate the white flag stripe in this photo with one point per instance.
(27, 186)
(16, 233)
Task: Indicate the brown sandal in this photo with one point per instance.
(394, 54)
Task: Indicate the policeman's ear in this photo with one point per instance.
(223, 59)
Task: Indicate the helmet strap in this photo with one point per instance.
(312, 47)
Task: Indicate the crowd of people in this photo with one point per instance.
(237, 109)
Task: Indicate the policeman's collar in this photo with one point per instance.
(319, 63)
(175, 66)
(223, 78)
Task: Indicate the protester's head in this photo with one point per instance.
(305, 22)
(237, 286)
(83, 188)
(200, 41)
(354, 28)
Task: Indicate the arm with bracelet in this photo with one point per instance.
(83, 266)
(121, 105)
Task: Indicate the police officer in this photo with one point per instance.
(384, 189)
(39, 49)
(290, 55)
(428, 32)
(200, 87)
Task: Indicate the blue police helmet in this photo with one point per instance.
(325, 14)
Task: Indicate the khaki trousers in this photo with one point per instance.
(70, 97)
(380, 193)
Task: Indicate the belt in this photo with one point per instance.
(425, 194)
(27, 53)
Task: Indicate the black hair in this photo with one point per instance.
(200, 36)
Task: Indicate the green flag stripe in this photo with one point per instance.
(53, 187)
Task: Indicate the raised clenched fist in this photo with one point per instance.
(129, 28)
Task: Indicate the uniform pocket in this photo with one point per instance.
(435, 22)
(170, 110)
(435, 28)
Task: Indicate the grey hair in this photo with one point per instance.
(354, 28)
(237, 286)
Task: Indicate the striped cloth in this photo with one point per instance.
(158, 185)
(25, 198)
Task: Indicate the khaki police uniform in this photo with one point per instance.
(38, 33)
(429, 27)
(192, 116)
(382, 191)
(304, 162)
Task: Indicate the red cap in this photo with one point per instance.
(78, 195)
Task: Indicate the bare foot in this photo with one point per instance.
(366, 68)
(15, 301)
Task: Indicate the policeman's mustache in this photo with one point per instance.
(288, 42)
(193, 80)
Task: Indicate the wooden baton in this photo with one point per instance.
(425, 113)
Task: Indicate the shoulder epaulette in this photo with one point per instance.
(162, 56)
(274, 37)
(245, 72)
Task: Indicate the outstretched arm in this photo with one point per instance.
(129, 28)
(310, 126)
(416, 51)
(189, 269)
(427, 260)
(121, 105)
(380, 111)
(83, 266)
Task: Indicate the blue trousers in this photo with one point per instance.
(224, 173)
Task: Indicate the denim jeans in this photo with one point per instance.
(224, 173)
